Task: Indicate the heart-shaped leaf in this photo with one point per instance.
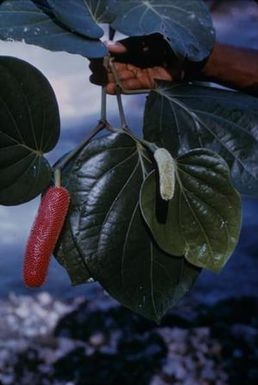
(24, 20)
(186, 25)
(29, 127)
(119, 252)
(82, 16)
(183, 117)
(204, 218)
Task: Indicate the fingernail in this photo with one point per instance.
(109, 43)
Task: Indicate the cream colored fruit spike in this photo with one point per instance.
(167, 173)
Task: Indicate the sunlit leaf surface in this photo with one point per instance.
(24, 20)
(184, 117)
(203, 219)
(110, 232)
(185, 24)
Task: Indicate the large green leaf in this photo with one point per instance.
(29, 127)
(183, 117)
(23, 20)
(103, 11)
(66, 251)
(118, 250)
(204, 217)
(68, 254)
(82, 16)
(185, 24)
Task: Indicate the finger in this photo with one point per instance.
(120, 66)
(159, 73)
(138, 79)
(111, 88)
(126, 51)
(116, 47)
(129, 85)
(136, 84)
(123, 72)
(120, 69)
(126, 75)
(145, 79)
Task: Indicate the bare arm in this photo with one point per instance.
(233, 67)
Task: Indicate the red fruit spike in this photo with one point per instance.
(44, 235)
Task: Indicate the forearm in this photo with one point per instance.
(233, 67)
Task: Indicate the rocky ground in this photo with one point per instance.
(47, 341)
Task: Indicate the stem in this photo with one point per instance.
(124, 124)
(152, 147)
(100, 126)
(103, 116)
(111, 33)
(57, 177)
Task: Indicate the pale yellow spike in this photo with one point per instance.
(167, 173)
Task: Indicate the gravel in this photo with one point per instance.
(45, 340)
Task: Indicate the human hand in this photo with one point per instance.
(138, 63)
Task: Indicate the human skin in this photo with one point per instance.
(233, 67)
(227, 65)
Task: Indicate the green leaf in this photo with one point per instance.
(82, 16)
(204, 217)
(23, 20)
(119, 252)
(68, 255)
(186, 25)
(66, 251)
(77, 16)
(183, 117)
(103, 11)
(29, 127)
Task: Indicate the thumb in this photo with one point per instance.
(115, 47)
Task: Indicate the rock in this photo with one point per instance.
(174, 370)
(208, 373)
(173, 335)
(148, 347)
(97, 340)
(136, 361)
(45, 299)
(242, 310)
(82, 323)
(90, 346)
(156, 380)
(246, 333)
(7, 379)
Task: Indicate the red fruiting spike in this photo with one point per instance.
(44, 235)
